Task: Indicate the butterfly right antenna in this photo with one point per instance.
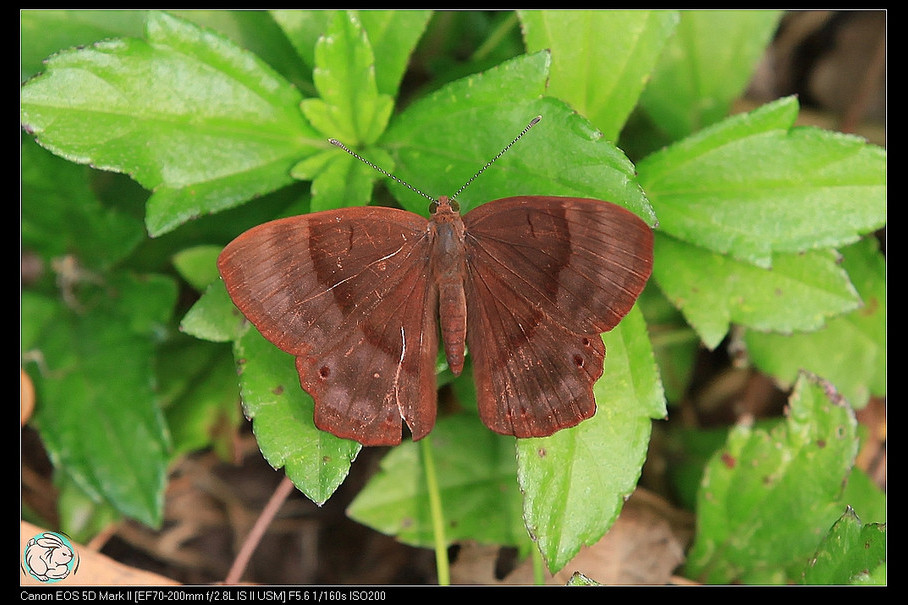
(526, 129)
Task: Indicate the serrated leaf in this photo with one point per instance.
(257, 32)
(349, 107)
(476, 476)
(576, 481)
(800, 291)
(705, 67)
(850, 554)
(188, 114)
(281, 412)
(439, 142)
(751, 187)
(850, 350)
(768, 495)
(601, 60)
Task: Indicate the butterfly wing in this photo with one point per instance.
(545, 277)
(346, 292)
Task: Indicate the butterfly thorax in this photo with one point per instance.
(446, 233)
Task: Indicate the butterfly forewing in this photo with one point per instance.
(545, 276)
(347, 292)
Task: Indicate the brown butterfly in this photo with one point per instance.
(528, 283)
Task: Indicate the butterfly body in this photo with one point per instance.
(360, 295)
(446, 231)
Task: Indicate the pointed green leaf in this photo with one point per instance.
(576, 481)
(768, 496)
(706, 66)
(800, 291)
(213, 317)
(851, 553)
(281, 412)
(188, 114)
(339, 180)
(850, 350)
(44, 32)
(349, 107)
(750, 188)
(601, 60)
(393, 36)
(303, 28)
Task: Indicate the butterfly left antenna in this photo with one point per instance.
(337, 143)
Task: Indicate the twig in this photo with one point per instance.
(258, 530)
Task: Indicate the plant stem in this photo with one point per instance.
(438, 519)
(538, 567)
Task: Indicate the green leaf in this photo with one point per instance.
(350, 108)
(706, 66)
(866, 497)
(601, 60)
(198, 265)
(281, 412)
(676, 345)
(800, 292)
(198, 384)
(214, 317)
(768, 495)
(851, 553)
(44, 32)
(99, 416)
(62, 215)
(339, 180)
(476, 475)
(257, 32)
(393, 36)
(204, 124)
(576, 481)
(439, 143)
(303, 28)
(81, 516)
(850, 350)
(751, 186)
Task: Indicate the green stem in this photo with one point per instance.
(438, 518)
(538, 567)
(499, 33)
